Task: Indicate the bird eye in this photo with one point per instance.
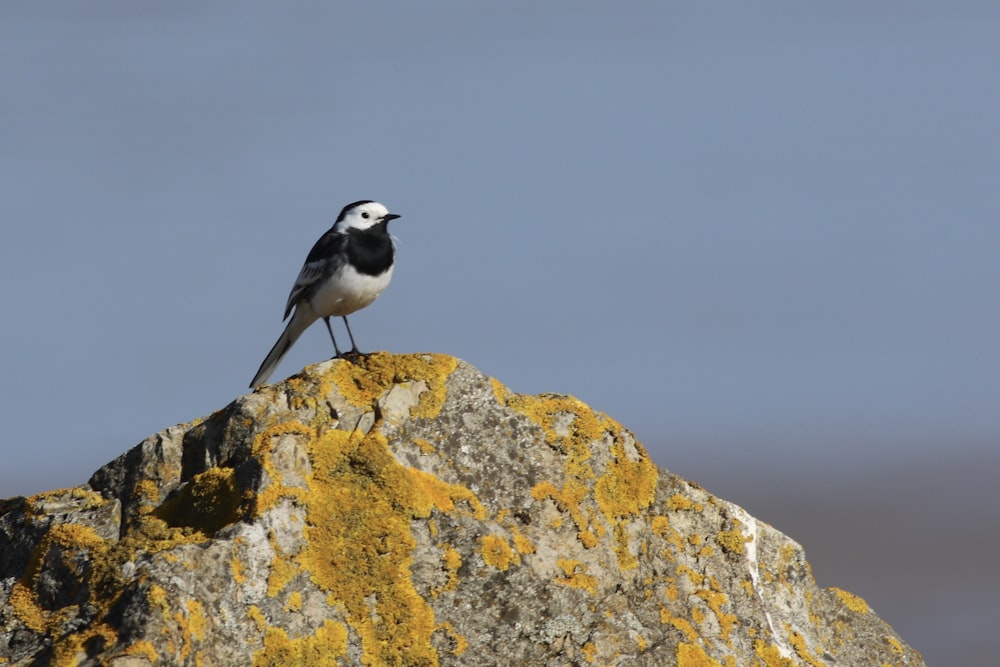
(364, 215)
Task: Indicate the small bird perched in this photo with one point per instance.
(345, 271)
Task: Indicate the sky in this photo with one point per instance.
(762, 236)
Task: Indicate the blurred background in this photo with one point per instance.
(763, 237)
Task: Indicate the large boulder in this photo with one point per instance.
(408, 510)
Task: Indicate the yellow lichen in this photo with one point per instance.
(852, 601)
(319, 650)
(682, 624)
(25, 605)
(294, 602)
(523, 545)
(497, 553)
(209, 501)
(798, 642)
(424, 446)
(460, 642)
(196, 619)
(431, 493)
(359, 546)
(282, 572)
(626, 560)
(895, 644)
(142, 648)
(628, 486)
(696, 578)
(576, 575)
(262, 449)
(236, 568)
(452, 561)
(257, 616)
(732, 541)
(158, 598)
(715, 601)
(679, 502)
(692, 655)
(363, 382)
(770, 655)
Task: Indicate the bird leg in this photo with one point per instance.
(336, 349)
(354, 346)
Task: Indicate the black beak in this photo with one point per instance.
(389, 216)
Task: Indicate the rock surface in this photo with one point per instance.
(408, 510)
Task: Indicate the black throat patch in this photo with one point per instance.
(370, 251)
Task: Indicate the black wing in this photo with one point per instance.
(322, 262)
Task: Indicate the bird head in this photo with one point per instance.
(363, 215)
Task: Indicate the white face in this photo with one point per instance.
(362, 216)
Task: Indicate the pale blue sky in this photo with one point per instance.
(758, 235)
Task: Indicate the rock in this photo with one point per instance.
(407, 510)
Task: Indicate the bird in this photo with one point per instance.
(346, 270)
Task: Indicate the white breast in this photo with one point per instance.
(348, 291)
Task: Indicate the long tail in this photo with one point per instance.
(300, 322)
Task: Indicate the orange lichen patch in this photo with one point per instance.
(626, 559)
(798, 642)
(671, 590)
(25, 605)
(363, 382)
(682, 624)
(460, 644)
(257, 616)
(715, 601)
(80, 552)
(294, 602)
(432, 492)
(69, 649)
(567, 499)
(732, 541)
(660, 525)
(692, 655)
(359, 546)
(696, 578)
(852, 601)
(237, 570)
(84, 498)
(680, 502)
(196, 619)
(523, 545)
(452, 561)
(282, 572)
(209, 501)
(499, 391)
(576, 575)
(319, 650)
(497, 553)
(424, 446)
(628, 486)
(589, 651)
(142, 648)
(641, 642)
(262, 450)
(706, 552)
(895, 644)
(770, 656)
(158, 598)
